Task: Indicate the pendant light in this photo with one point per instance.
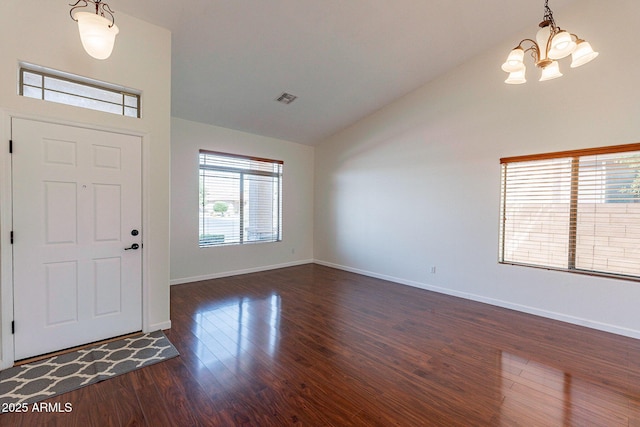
(551, 44)
(97, 30)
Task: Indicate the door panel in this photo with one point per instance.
(61, 287)
(107, 199)
(60, 207)
(108, 296)
(76, 197)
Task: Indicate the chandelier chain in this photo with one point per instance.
(548, 16)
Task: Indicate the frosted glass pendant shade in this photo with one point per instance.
(96, 35)
(551, 71)
(514, 61)
(517, 77)
(562, 45)
(542, 39)
(583, 54)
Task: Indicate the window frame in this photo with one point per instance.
(47, 73)
(242, 173)
(575, 156)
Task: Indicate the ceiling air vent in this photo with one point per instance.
(286, 98)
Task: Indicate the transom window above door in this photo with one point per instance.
(64, 88)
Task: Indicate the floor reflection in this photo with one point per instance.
(238, 331)
(546, 395)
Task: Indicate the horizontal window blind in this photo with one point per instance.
(577, 211)
(240, 199)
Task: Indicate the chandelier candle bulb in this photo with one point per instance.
(550, 72)
(561, 45)
(517, 77)
(583, 54)
(543, 37)
(514, 61)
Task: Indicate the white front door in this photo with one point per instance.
(77, 238)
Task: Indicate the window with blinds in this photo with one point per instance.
(240, 199)
(576, 210)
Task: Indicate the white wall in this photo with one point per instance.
(417, 184)
(41, 32)
(189, 262)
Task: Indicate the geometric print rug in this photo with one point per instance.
(43, 379)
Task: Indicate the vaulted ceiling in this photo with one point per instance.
(343, 59)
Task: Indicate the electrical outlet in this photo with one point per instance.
(433, 270)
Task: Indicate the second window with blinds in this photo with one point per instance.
(240, 199)
(577, 211)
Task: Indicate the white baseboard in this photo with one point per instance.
(238, 272)
(605, 327)
(159, 326)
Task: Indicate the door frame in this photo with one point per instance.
(7, 351)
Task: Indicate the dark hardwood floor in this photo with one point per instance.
(314, 346)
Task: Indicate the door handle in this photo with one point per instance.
(134, 247)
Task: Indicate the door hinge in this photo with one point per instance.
(13, 327)
(10, 146)
(12, 237)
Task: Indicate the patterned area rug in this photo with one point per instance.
(47, 378)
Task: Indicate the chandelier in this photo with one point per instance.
(551, 43)
(97, 32)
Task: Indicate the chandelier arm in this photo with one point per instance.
(534, 49)
(105, 8)
(101, 9)
(549, 40)
(75, 6)
(527, 40)
(535, 54)
(576, 38)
